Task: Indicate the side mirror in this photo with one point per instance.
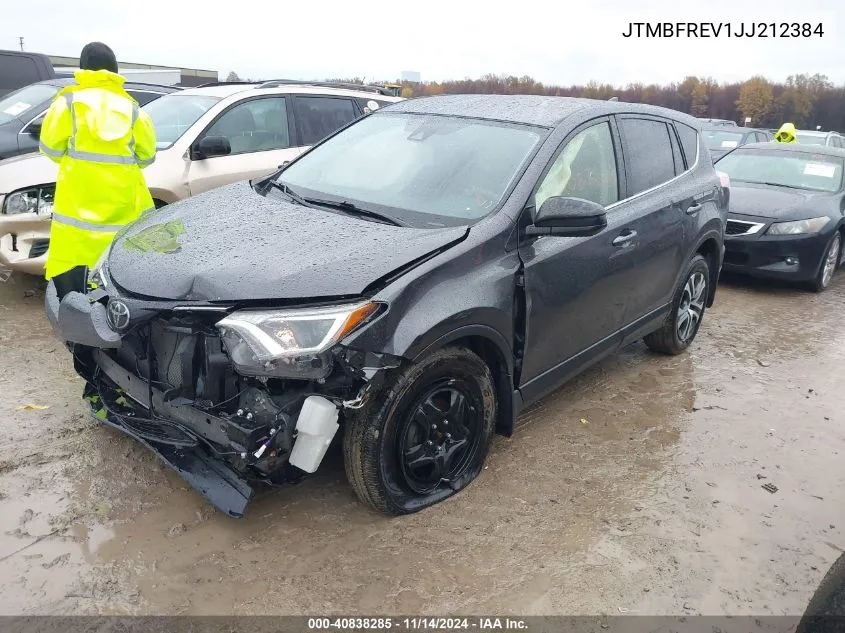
(210, 147)
(568, 217)
(34, 128)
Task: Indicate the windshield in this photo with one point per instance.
(173, 114)
(815, 172)
(721, 139)
(810, 139)
(25, 102)
(428, 170)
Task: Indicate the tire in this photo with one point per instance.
(826, 608)
(830, 262)
(690, 300)
(396, 446)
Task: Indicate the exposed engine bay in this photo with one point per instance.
(171, 383)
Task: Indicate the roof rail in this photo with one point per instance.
(275, 83)
(225, 83)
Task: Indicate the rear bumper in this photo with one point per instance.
(23, 240)
(795, 258)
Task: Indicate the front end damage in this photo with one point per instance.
(166, 375)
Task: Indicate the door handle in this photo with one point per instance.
(624, 239)
(693, 208)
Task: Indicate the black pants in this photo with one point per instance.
(74, 280)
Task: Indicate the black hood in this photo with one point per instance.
(780, 203)
(233, 244)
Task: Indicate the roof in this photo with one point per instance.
(529, 109)
(814, 132)
(797, 148)
(135, 85)
(227, 90)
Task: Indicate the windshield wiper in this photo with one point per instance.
(352, 209)
(290, 193)
(780, 184)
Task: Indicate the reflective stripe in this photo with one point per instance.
(145, 163)
(56, 153)
(96, 157)
(134, 118)
(86, 226)
(72, 140)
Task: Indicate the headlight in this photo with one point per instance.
(799, 227)
(35, 200)
(289, 343)
(99, 274)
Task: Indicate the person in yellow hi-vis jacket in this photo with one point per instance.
(101, 140)
(786, 134)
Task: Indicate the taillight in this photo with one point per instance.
(724, 179)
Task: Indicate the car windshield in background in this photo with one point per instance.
(173, 114)
(810, 139)
(720, 139)
(815, 172)
(21, 104)
(424, 170)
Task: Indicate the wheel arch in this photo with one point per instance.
(493, 349)
(710, 248)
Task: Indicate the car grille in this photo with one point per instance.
(39, 247)
(739, 227)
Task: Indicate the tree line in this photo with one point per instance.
(805, 100)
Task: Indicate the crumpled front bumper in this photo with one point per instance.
(19, 236)
(80, 318)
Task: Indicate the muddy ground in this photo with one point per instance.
(637, 488)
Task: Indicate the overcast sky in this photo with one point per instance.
(554, 41)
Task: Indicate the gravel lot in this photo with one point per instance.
(637, 488)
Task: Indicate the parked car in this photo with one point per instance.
(813, 137)
(23, 111)
(417, 278)
(719, 122)
(207, 137)
(720, 139)
(21, 68)
(786, 215)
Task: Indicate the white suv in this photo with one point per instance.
(206, 137)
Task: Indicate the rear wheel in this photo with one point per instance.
(687, 311)
(426, 436)
(830, 262)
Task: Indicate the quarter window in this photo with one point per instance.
(257, 125)
(648, 154)
(585, 168)
(689, 142)
(318, 117)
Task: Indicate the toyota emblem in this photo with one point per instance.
(118, 315)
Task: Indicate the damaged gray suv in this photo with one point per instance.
(408, 286)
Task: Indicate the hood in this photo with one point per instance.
(26, 170)
(778, 203)
(232, 244)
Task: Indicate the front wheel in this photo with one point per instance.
(426, 436)
(687, 311)
(830, 263)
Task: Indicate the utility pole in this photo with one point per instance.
(20, 39)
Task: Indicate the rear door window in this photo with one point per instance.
(257, 125)
(689, 142)
(318, 117)
(648, 153)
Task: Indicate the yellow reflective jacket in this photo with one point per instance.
(786, 134)
(101, 139)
